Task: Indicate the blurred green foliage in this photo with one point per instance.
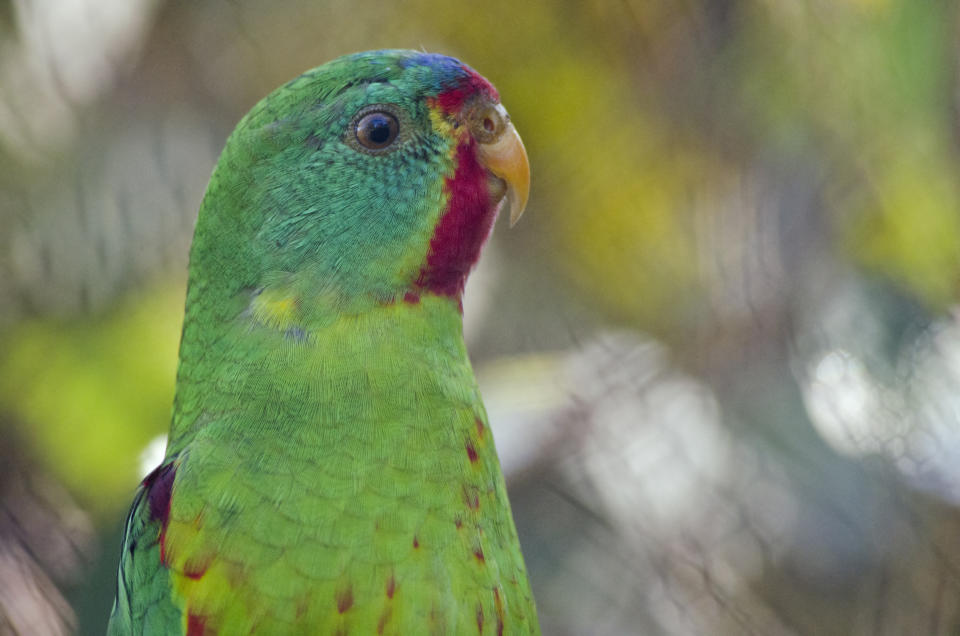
(92, 392)
(870, 86)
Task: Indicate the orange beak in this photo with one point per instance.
(505, 157)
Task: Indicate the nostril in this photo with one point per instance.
(489, 125)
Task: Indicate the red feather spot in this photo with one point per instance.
(196, 625)
(463, 228)
(458, 522)
(498, 606)
(480, 427)
(471, 498)
(344, 600)
(471, 452)
(303, 605)
(479, 618)
(478, 552)
(411, 298)
(384, 619)
(416, 542)
(391, 586)
(195, 571)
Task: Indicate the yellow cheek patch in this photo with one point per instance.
(442, 123)
(276, 308)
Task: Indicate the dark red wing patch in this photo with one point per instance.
(159, 487)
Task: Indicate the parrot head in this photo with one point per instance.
(374, 178)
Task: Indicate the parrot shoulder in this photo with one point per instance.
(144, 594)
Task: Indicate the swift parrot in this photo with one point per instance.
(330, 468)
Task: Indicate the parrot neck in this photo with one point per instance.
(280, 351)
(363, 442)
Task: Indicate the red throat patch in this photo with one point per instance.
(463, 227)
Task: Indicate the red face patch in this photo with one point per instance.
(466, 223)
(463, 227)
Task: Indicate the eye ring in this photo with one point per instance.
(486, 120)
(376, 130)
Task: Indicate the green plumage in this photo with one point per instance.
(329, 468)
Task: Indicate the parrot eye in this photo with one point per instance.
(377, 130)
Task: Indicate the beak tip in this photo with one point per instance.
(516, 208)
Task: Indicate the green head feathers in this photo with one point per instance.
(361, 181)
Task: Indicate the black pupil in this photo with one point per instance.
(378, 129)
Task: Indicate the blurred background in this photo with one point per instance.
(721, 351)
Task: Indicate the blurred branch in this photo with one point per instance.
(45, 540)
